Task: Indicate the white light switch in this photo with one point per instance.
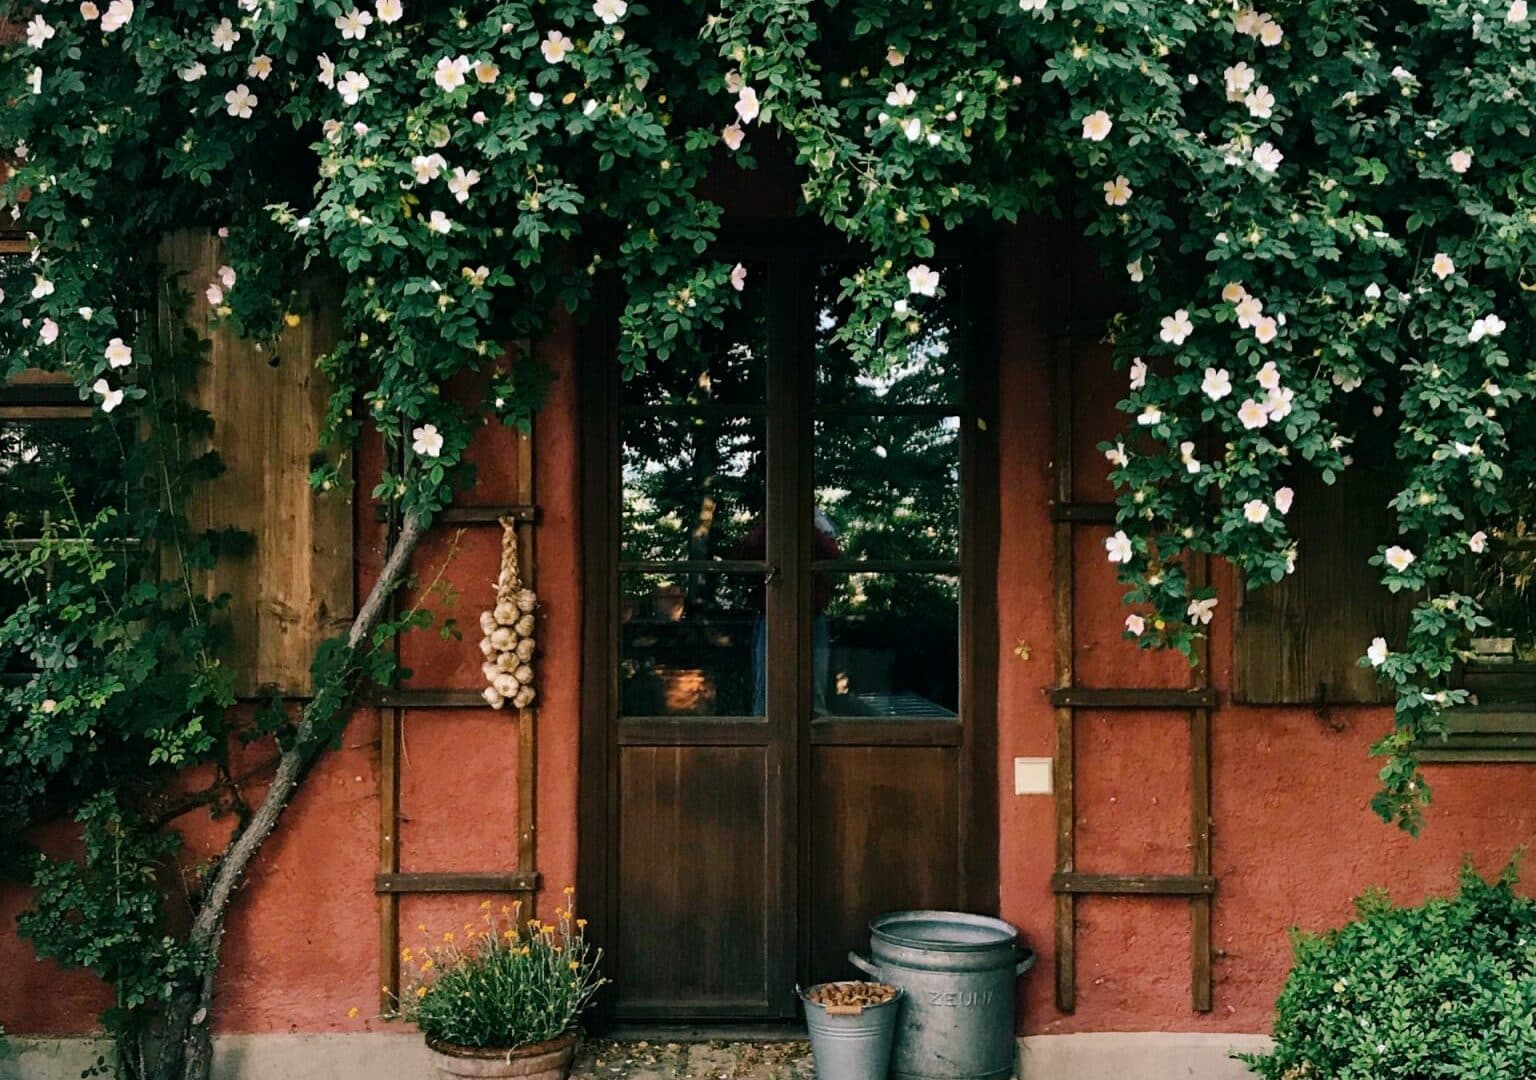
(1031, 776)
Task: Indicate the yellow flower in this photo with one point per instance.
(421, 991)
(573, 965)
(291, 319)
(352, 1013)
(485, 905)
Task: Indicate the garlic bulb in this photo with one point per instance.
(508, 647)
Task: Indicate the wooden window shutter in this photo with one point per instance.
(1299, 640)
(295, 588)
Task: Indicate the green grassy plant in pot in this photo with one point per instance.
(506, 998)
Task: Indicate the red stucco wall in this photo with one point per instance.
(1293, 838)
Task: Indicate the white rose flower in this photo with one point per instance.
(1138, 373)
(1176, 328)
(389, 11)
(351, 86)
(555, 47)
(451, 73)
(1398, 558)
(1135, 625)
(747, 105)
(38, 32)
(1443, 267)
(1097, 126)
(1117, 192)
(922, 280)
(1252, 415)
(110, 398)
(1283, 499)
(461, 181)
(1201, 612)
(1119, 548)
(1267, 158)
(427, 440)
(118, 14)
(1216, 384)
(610, 11)
(118, 354)
(240, 102)
(354, 24)
(225, 35)
(1378, 652)
(1255, 511)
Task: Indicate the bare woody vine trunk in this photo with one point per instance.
(186, 1046)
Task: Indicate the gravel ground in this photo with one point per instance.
(599, 1060)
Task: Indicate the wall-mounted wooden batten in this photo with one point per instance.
(391, 882)
(1198, 699)
(268, 405)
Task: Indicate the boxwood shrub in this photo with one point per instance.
(1445, 989)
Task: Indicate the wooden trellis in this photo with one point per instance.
(391, 882)
(1197, 699)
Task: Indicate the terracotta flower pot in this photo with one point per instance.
(542, 1061)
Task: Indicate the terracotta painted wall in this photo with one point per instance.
(302, 945)
(1293, 840)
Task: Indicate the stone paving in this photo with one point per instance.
(600, 1060)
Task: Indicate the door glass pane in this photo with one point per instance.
(692, 644)
(729, 367)
(929, 374)
(886, 646)
(889, 486)
(693, 488)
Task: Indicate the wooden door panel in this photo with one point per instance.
(884, 835)
(695, 883)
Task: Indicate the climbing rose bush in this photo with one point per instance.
(1320, 215)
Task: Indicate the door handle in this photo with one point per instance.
(772, 575)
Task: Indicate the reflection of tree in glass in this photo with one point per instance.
(890, 483)
(1505, 578)
(693, 473)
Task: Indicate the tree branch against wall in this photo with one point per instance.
(1323, 212)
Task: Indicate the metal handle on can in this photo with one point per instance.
(866, 966)
(1026, 961)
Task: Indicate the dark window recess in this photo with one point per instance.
(60, 460)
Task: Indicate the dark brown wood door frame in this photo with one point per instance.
(790, 475)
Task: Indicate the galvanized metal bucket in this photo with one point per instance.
(851, 1043)
(958, 971)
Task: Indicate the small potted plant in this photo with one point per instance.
(507, 998)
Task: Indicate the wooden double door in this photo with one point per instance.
(790, 646)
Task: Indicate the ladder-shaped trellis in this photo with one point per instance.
(1197, 699)
(391, 883)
